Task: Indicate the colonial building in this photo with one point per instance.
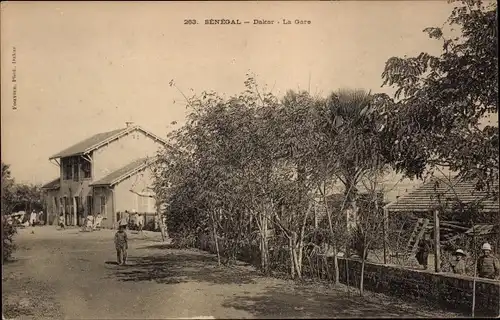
(106, 173)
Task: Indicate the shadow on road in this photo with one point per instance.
(303, 302)
(178, 267)
(284, 300)
(161, 246)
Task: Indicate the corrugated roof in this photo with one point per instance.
(425, 197)
(120, 174)
(100, 139)
(54, 184)
(87, 144)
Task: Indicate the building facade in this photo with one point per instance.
(106, 173)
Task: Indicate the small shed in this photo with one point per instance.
(442, 192)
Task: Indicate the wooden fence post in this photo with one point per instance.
(386, 233)
(437, 251)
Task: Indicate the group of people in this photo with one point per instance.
(33, 219)
(488, 266)
(135, 219)
(91, 223)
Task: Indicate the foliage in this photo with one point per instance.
(15, 197)
(442, 99)
(252, 170)
(18, 196)
(8, 232)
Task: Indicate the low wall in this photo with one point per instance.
(442, 290)
(445, 290)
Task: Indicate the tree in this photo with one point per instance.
(370, 222)
(442, 99)
(8, 230)
(7, 189)
(356, 120)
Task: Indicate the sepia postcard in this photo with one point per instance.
(249, 159)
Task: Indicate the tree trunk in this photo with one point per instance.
(262, 224)
(160, 220)
(301, 239)
(351, 210)
(336, 264)
(295, 258)
(362, 277)
(292, 263)
(347, 275)
(214, 228)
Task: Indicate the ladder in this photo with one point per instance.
(416, 235)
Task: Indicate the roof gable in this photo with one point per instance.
(121, 174)
(425, 197)
(100, 139)
(54, 184)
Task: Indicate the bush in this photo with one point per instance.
(358, 242)
(8, 246)
(183, 240)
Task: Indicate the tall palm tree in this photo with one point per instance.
(355, 130)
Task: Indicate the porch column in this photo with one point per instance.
(55, 212)
(74, 211)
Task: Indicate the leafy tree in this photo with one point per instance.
(247, 169)
(440, 100)
(7, 189)
(8, 230)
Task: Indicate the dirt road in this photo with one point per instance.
(73, 274)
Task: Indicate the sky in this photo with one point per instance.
(84, 68)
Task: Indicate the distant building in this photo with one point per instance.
(106, 173)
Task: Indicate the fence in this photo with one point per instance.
(444, 290)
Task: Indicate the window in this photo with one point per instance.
(76, 168)
(67, 170)
(145, 204)
(103, 205)
(87, 173)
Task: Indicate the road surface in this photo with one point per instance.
(72, 274)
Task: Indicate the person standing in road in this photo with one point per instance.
(33, 218)
(140, 223)
(121, 245)
(61, 221)
(124, 220)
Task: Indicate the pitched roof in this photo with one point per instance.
(425, 197)
(54, 184)
(124, 172)
(99, 140)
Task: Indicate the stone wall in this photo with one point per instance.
(444, 290)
